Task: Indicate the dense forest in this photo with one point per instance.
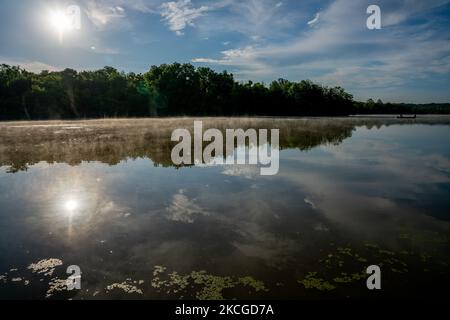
(174, 90)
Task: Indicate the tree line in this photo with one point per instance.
(172, 90)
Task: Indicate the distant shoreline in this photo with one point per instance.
(63, 122)
(174, 90)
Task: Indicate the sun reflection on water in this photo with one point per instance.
(71, 205)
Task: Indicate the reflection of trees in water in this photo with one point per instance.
(112, 141)
(17, 167)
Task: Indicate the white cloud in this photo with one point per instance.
(181, 14)
(341, 51)
(102, 16)
(32, 66)
(255, 19)
(244, 58)
(206, 60)
(107, 12)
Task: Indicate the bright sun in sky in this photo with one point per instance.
(61, 22)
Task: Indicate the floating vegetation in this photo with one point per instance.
(396, 271)
(386, 252)
(346, 278)
(181, 282)
(341, 266)
(312, 282)
(424, 237)
(158, 270)
(340, 257)
(345, 251)
(156, 281)
(56, 285)
(393, 261)
(253, 283)
(361, 259)
(126, 286)
(206, 286)
(212, 286)
(354, 262)
(372, 246)
(46, 266)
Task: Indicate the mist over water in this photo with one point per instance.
(105, 196)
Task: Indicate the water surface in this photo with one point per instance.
(103, 195)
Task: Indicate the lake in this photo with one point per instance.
(103, 195)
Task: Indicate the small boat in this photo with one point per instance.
(407, 117)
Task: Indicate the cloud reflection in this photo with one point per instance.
(183, 209)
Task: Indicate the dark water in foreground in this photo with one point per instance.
(102, 195)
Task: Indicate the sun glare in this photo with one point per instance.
(59, 20)
(71, 205)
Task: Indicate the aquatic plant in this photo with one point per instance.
(312, 282)
(46, 266)
(56, 285)
(212, 286)
(125, 286)
(251, 282)
(205, 286)
(345, 278)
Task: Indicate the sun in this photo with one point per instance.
(71, 205)
(61, 22)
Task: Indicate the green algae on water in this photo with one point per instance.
(345, 278)
(253, 283)
(312, 282)
(206, 286)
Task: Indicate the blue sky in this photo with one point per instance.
(408, 60)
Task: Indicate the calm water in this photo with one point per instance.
(102, 195)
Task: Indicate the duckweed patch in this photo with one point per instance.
(45, 266)
(212, 286)
(205, 286)
(342, 257)
(349, 278)
(253, 283)
(420, 237)
(55, 286)
(312, 282)
(127, 286)
(346, 265)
